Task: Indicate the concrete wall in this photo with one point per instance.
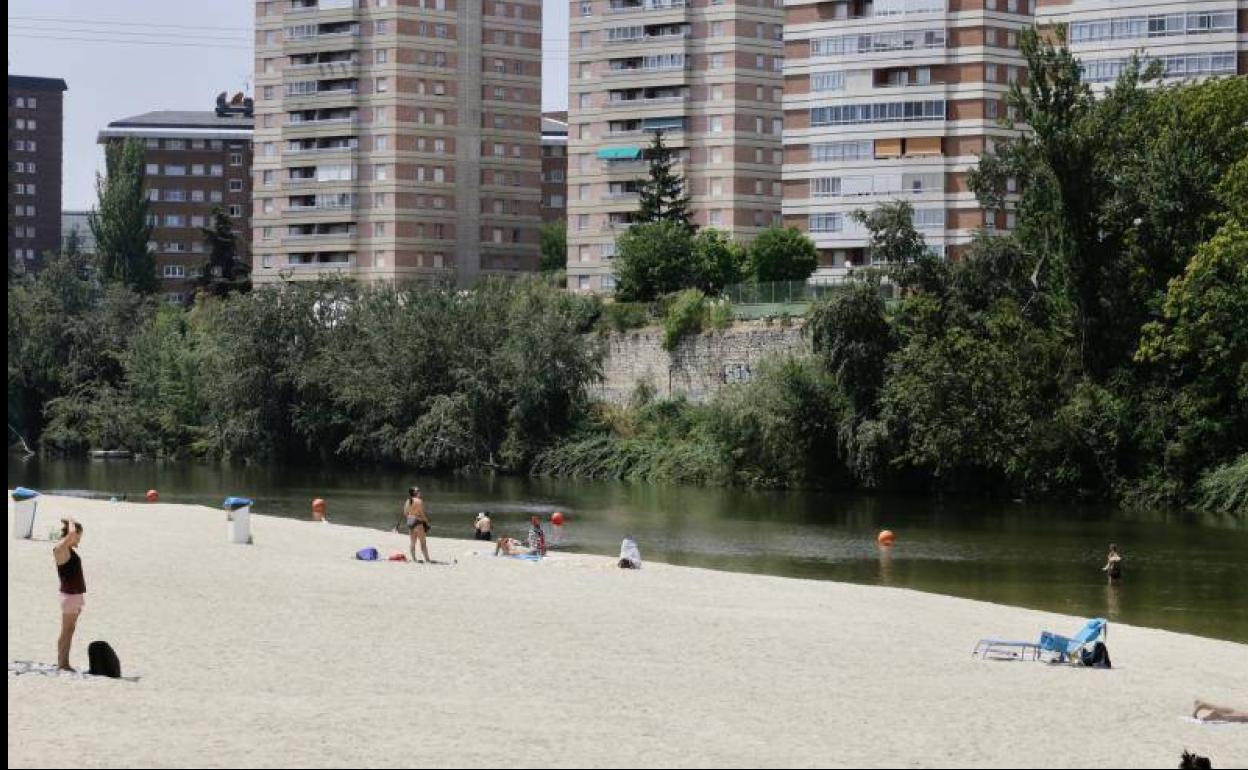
(698, 367)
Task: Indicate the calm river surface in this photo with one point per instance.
(1181, 573)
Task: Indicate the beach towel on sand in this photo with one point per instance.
(27, 667)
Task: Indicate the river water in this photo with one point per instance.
(1181, 573)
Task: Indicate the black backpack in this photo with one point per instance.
(1096, 657)
(103, 660)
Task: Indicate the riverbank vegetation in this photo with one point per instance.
(1099, 350)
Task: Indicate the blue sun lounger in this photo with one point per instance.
(1060, 648)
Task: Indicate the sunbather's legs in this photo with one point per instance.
(1218, 713)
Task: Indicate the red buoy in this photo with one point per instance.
(556, 518)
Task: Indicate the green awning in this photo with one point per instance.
(619, 153)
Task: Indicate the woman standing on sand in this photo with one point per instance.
(417, 523)
(1113, 564)
(73, 587)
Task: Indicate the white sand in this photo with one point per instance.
(288, 653)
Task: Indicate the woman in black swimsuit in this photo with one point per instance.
(73, 587)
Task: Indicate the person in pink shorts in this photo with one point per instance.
(73, 587)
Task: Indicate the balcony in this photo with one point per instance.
(650, 101)
(320, 235)
(670, 37)
(313, 261)
(646, 5)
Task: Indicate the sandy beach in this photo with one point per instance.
(289, 653)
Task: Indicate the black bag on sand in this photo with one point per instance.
(103, 660)
(1096, 657)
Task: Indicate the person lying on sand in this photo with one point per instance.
(1218, 713)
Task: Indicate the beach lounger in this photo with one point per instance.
(1062, 648)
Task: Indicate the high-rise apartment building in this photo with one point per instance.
(78, 224)
(35, 130)
(708, 74)
(397, 138)
(554, 167)
(194, 162)
(894, 99)
(1191, 39)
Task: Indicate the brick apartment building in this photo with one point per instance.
(397, 139)
(195, 161)
(706, 73)
(554, 167)
(36, 110)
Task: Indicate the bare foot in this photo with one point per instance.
(70, 669)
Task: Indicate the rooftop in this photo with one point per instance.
(193, 119)
(37, 84)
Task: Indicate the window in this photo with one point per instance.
(236, 159)
(717, 125)
(381, 56)
(217, 169)
(215, 196)
(777, 126)
(990, 109)
(152, 169)
(880, 112)
(197, 196)
(236, 185)
(153, 195)
(587, 8)
(717, 61)
(381, 27)
(175, 220)
(760, 62)
(236, 210)
(826, 223)
(175, 271)
(382, 85)
(717, 29)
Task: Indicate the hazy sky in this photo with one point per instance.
(125, 57)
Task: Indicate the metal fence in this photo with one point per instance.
(786, 292)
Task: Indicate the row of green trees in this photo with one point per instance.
(1098, 351)
(422, 375)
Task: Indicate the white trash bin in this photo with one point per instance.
(25, 503)
(238, 519)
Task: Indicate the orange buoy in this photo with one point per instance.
(318, 509)
(152, 496)
(886, 537)
(556, 518)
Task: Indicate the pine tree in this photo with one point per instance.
(663, 197)
(119, 221)
(224, 272)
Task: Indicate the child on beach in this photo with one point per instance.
(537, 538)
(73, 587)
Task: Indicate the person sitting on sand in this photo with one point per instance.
(417, 523)
(509, 546)
(73, 587)
(1218, 713)
(1113, 564)
(483, 528)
